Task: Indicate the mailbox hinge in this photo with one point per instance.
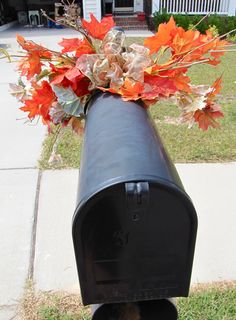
(137, 195)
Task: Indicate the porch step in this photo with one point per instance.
(130, 23)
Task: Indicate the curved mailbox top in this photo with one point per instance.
(121, 144)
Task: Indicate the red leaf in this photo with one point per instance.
(61, 74)
(179, 78)
(97, 29)
(156, 86)
(70, 77)
(58, 74)
(73, 73)
(206, 117)
(81, 87)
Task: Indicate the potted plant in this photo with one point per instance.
(141, 16)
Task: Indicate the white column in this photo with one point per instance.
(155, 6)
(138, 5)
(92, 6)
(232, 8)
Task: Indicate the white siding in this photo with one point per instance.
(93, 6)
(232, 8)
(225, 7)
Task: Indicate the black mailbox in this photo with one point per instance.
(134, 227)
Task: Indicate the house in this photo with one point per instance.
(9, 9)
(98, 7)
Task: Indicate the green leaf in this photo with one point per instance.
(43, 74)
(21, 83)
(6, 54)
(69, 101)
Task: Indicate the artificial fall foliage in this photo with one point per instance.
(57, 85)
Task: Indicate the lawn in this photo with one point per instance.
(216, 302)
(183, 144)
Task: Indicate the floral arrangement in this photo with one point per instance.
(56, 86)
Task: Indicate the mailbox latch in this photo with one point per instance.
(137, 195)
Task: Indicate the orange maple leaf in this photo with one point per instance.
(131, 90)
(97, 29)
(41, 101)
(215, 88)
(32, 107)
(79, 46)
(31, 47)
(193, 46)
(30, 65)
(163, 36)
(111, 90)
(184, 41)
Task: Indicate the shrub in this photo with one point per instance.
(213, 29)
(231, 38)
(221, 24)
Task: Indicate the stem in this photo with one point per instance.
(52, 144)
(184, 66)
(204, 44)
(228, 45)
(12, 56)
(77, 28)
(230, 50)
(201, 20)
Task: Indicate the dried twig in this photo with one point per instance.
(207, 15)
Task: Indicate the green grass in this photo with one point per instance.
(69, 148)
(38, 305)
(210, 304)
(216, 302)
(54, 313)
(183, 144)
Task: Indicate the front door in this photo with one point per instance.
(124, 5)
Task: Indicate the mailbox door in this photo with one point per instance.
(129, 249)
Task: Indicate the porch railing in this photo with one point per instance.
(224, 7)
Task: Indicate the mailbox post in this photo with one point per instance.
(134, 227)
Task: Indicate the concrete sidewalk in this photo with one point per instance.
(44, 36)
(37, 207)
(212, 188)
